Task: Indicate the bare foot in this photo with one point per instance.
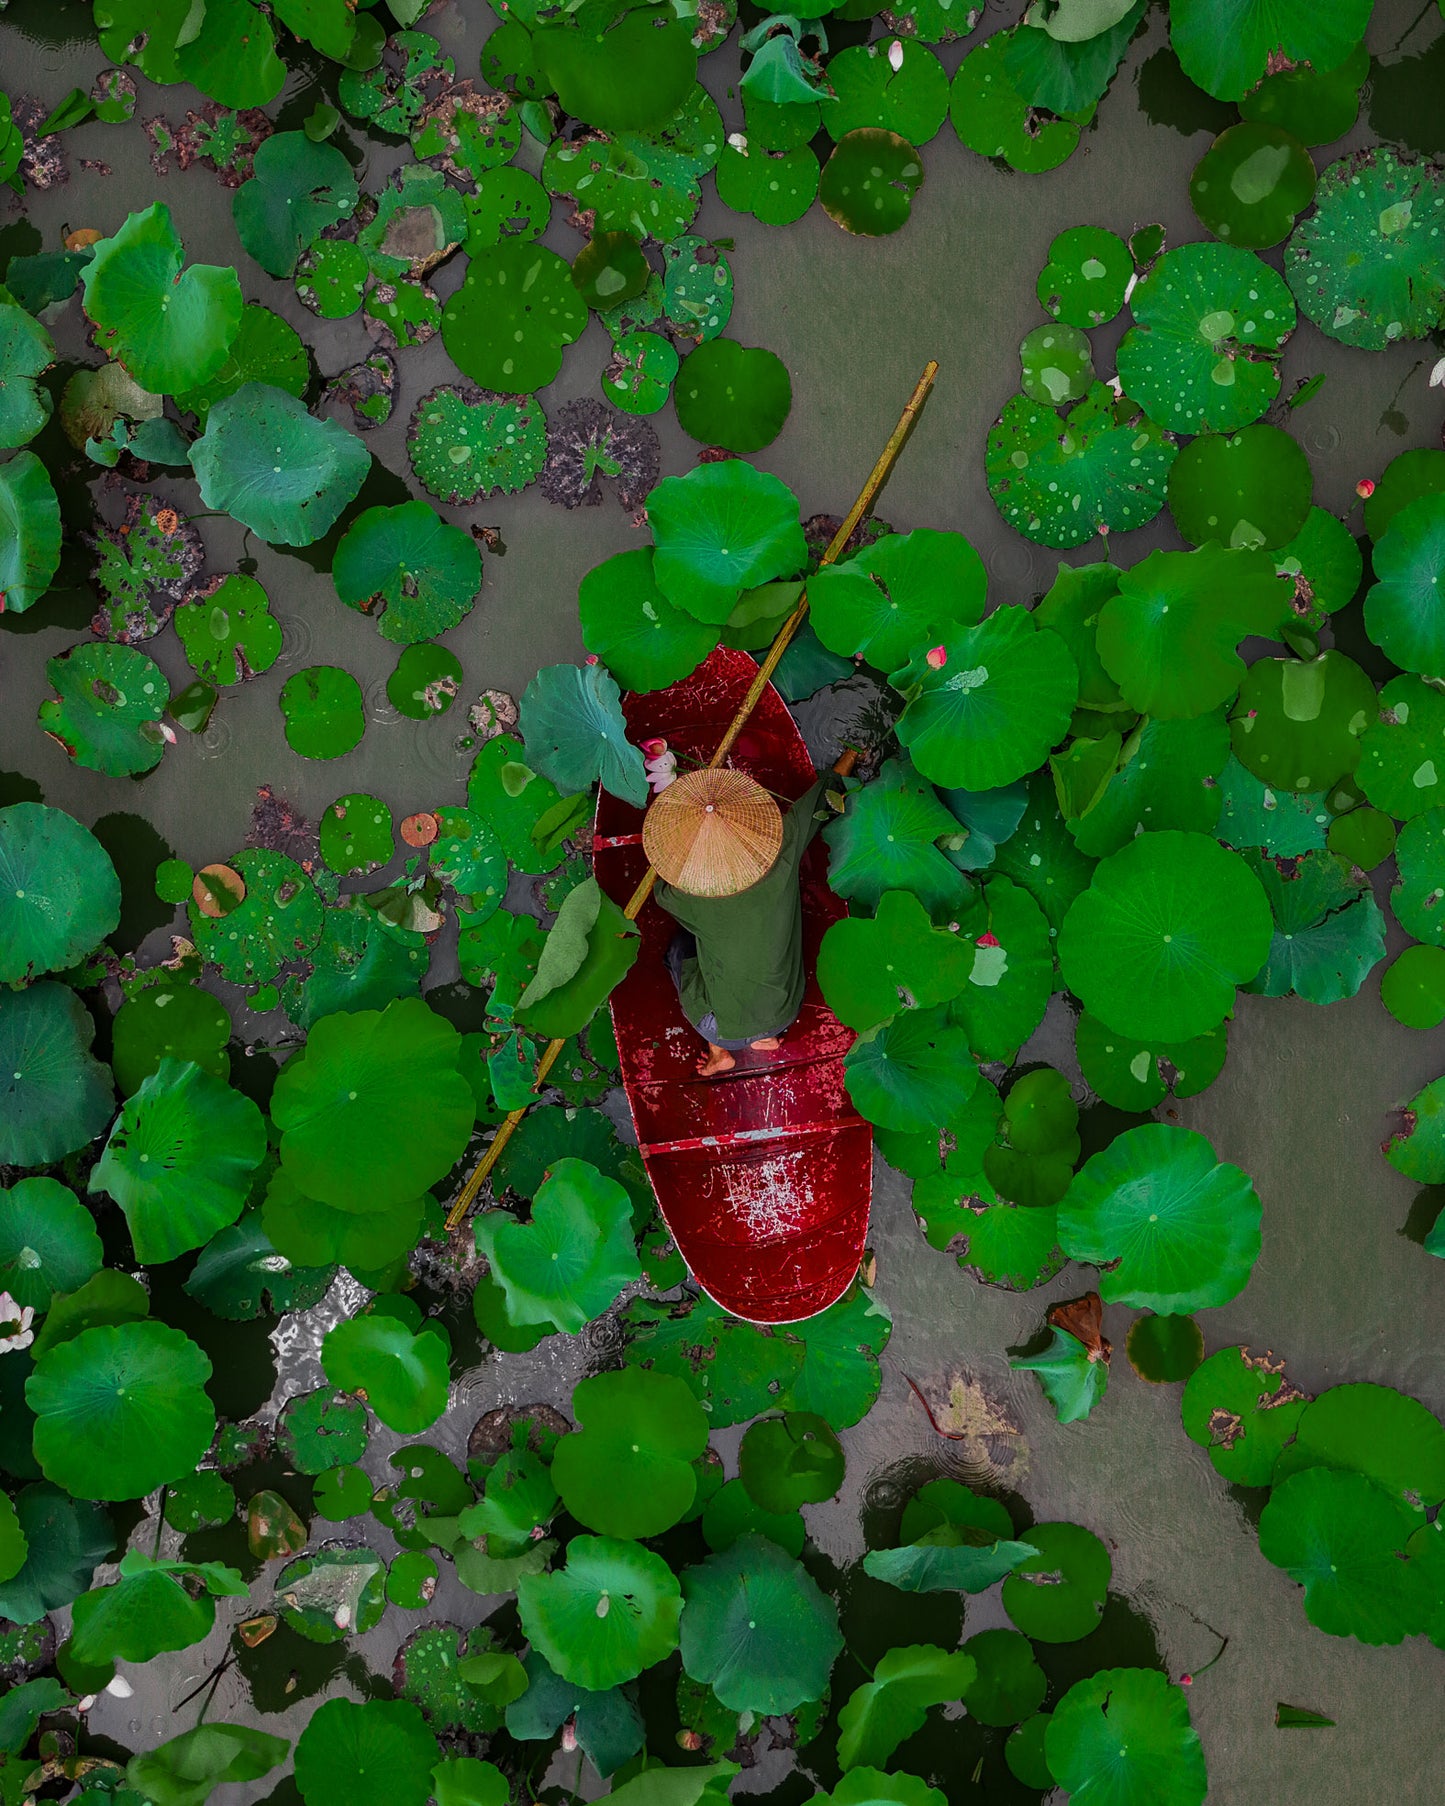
(718, 1060)
(768, 1044)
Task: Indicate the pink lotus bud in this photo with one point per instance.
(989, 940)
(653, 747)
(1365, 488)
(936, 659)
(591, 659)
(569, 1735)
(1186, 1680)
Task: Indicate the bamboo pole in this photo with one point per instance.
(859, 512)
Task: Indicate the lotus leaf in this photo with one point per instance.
(55, 1095)
(281, 472)
(576, 734)
(731, 1515)
(1329, 932)
(1101, 469)
(871, 969)
(1385, 1435)
(1167, 777)
(904, 91)
(1251, 184)
(26, 349)
(1251, 489)
(264, 350)
(776, 187)
(466, 442)
(48, 1243)
(327, 1596)
(956, 1555)
(1297, 723)
(1074, 1377)
(735, 1369)
(1122, 1737)
(1227, 49)
(1405, 607)
(1209, 322)
(184, 1770)
(628, 77)
(1343, 1539)
(1169, 925)
(179, 1159)
(417, 573)
(299, 188)
(1316, 104)
(589, 951)
(279, 919)
(1282, 822)
(1416, 899)
(757, 1629)
(791, 1460)
(643, 182)
(1056, 364)
(1065, 73)
(121, 1410)
(570, 1262)
(992, 115)
(639, 374)
(108, 703)
(1136, 1075)
(1086, 277)
(608, 1724)
(239, 1275)
(894, 1704)
(911, 1072)
(1243, 1412)
(1418, 1149)
(1402, 755)
(611, 1612)
(375, 1752)
(507, 325)
(645, 642)
(59, 893)
(1368, 265)
(170, 328)
(1057, 1595)
(402, 1375)
(869, 181)
(732, 396)
(719, 530)
(29, 531)
(1407, 477)
(904, 588)
(1413, 987)
(1009, 1685)
(318, 1430)
(231, 634)
(629, 1469)
(1040, 857)
(65, 1538)
(148, 1612)
(840, 1376)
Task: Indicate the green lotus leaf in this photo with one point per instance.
(519, 1499)
(1343, 1539)
(611, 1612)
(323, 711)
(840, 1376)
(1180, 1228)
(1405, 607)
(608, 1724)
(55, 1096)
(184, 1770)
(1169, 925)
(29, 531)
(375, 1752)
(1251, 184)
(1418, 1149)
(1209, 323)
(757, 1629)
(14, 1549)
(589, 950)
(1402, 754)
(576, 734)
(122, 1410)
(790, 1461)
(299, 188)
(1167, 777)
(887, 840)
(59, 893)
(65, 1538)
(1056, 364)
(871, 969)
(628, 77)
(1368, 265)
(1122, 1737)
(507, 326)
(1408, 476)
(403, 1375)
(240, 1275)
(374, 1107)
(336, 1592)
(885, 1711)
(148, 1612)
(890, 597)
(629, 1469)
(1086, 277)
(231, 634)
(610, 270)
(627, 622)
(1417, 897)
(643, 182)
(640, 372)
(1101, 469)
(1227, 49)
(1413, 987)
(953, 1556)
(998, 1242)
(869, 89)
(179, 1159)
(719, 530)
(1057, 1595)
(1243, 1412)
(1385, 1435)
(1284, 822)
(48, 1242)
(465, 442)
(232, 57)
(1316, 104)
(1164, 1350)
(869, 181)
(170, 328)
(735, 1369)
(279, 919)
(989, 712)
(321, 1429)
(416, 573)
(425, 682)
(1251, 489)
(1074, 1378)
(1066, 73)
(265, 350)
(731, 1515)
(279, 471)
(1137, 1075)
(26, 349)
(1009, 1685)
(733, 396)
(1324, 562)
(1329, 932)
(570, 1262)
(911, 1072)
(1008, 989)
(107, 708)
(776, 187)
(357, 836)
(993, 116)
(1298, 723)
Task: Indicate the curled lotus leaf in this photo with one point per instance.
(907, 1682)
(29, 531)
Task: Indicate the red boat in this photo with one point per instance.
(764, 1174)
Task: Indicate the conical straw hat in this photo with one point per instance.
(713, 833)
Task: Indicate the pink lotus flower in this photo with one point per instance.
(936, 659)
(989, 940)
(15, 1321)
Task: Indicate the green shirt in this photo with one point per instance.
(749, 966)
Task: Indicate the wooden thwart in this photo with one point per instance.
(859, 512)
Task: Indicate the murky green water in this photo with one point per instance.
(1305, 1098)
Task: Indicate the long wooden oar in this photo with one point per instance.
(860, 510)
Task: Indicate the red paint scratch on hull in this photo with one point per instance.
(764, 1175)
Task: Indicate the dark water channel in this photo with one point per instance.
(1305, 1098)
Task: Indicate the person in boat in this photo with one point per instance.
(728, 860)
